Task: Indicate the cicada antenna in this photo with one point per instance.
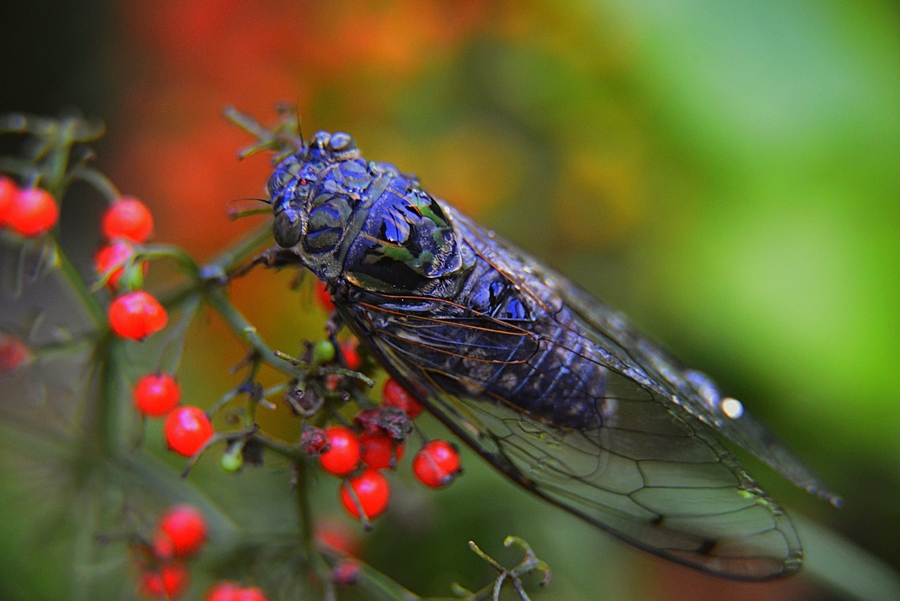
(302, 147)
(237, 213)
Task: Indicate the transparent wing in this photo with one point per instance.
(692, 390)
(625, 349)
(632, 463)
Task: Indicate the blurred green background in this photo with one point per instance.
(727, 173)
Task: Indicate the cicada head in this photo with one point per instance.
(317, 197)
(366, 221)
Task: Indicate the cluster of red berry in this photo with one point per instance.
(180, 533)
(29, 212)
(362, 457)
(186, 428)
(135, 314)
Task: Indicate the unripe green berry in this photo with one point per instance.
(132, 278)
(233, 458)
(323, 352)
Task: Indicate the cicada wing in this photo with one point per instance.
(625, 349)
(695, 392)
(646, 471)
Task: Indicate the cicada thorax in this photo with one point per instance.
(407, 244)
(362, 221)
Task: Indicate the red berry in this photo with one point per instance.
(13, 353)
(130, 219)
(8, 192)
(350, 349)
(33, 212)
(322, 296)
(166, 582)
(343, 456)
(250, 593)
(222, 591)
(230, 591)
(163, 547)
(187, 430)
(372, 491)
(395, 395)
(379, 450)
(436, 464)
(185, 526)
(136, 315)
(333, 382)
(113, 257)
(337, 535)
(156, 394)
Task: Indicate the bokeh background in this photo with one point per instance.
(727, 173)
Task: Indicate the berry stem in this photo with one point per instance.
(98, 181)
(244, 330)
(175, 253)
(225, 263)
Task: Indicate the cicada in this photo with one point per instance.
(555, 389)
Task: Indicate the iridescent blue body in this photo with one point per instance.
(555, 389)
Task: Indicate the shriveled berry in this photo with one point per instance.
(395, 395)
(379, 451)
(130, 219)
(33, 212)
(166, 582)
(313, 440)
(8, 192)
(347, 572)
(156, 394)
(322, 296)
(185, 526)
(436, 464)
(112, 258)
(370, 489)
(392, 421)
(136, 315)
(343, 456)
(187, 429)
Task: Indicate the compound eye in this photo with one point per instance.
(320, 140)
(341, 142)
(287, 228)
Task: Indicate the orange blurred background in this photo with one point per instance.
(726, 173)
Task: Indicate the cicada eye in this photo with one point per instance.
(341, 142)
(287, 228)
